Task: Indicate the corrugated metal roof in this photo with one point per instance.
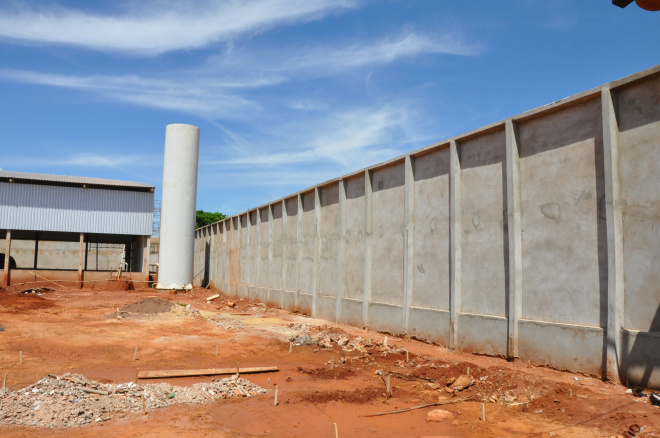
(27, 178)
(75, 209)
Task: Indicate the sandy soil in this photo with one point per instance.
(81, 331)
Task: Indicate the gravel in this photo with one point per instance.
(62, 401)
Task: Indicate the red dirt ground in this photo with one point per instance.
(78, 331)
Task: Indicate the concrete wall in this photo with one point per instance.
(536, 237)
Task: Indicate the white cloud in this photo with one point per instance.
(380, 52)
(200, 96)
(88, 159)
(156, 27)
(325, 60)
(345, 141)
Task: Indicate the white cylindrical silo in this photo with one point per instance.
(177, 215)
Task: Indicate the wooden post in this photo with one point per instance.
(5, 280)
(81, 254)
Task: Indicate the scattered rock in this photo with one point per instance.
(439, 415)
(463, 382)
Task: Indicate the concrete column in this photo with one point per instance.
(5, 277)
(299, 254)
(514, 311)
(146, 251)
(455, 238)
(239, 245)
(368, 245)
(250, 256)
(212, 257)
(341, 290)
(615, 283)
(225, 254)
(317, 247)
(36, 251)
(409, 233)
(285, 221)
(81, 254)
(258, 255)
(270, 249)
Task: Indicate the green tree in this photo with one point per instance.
(206, 217)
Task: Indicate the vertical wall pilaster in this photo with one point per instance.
(285, 221)
(368, 245)
(270, 249)
(409, 233)
(225, 254)
(299, 248)
(258, 255)
(212, 258)
(341, 290)
(514, 224)
(455, 239)
(613, 214)
(317, 247)
(249, 275)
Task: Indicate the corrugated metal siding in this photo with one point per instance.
(73, 209)
(70, 179)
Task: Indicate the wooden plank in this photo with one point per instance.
(205, 372)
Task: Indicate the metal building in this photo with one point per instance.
(54, 208)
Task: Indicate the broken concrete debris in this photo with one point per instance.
(72, 400)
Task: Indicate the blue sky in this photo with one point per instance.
(288, 93)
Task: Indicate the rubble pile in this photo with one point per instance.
(72, 400)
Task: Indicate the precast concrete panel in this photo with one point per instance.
(388, 238)
(354, 238)
(639, 143)
(328, 284)
(306, 274)
(564, 238)
(431, 236)
(485, 239)
(291, 237)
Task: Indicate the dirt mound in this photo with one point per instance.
(148, 306)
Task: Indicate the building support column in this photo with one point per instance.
(341, 269)
(368, 245)
(455, 240)
(299, 248)
(7, 273)
(81, 254)
(317, 248)
(614, 218)
(409, 241)
(285, 253)
(36, 251)
(514, 224)
(146, 252)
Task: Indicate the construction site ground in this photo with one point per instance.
(334, 374)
